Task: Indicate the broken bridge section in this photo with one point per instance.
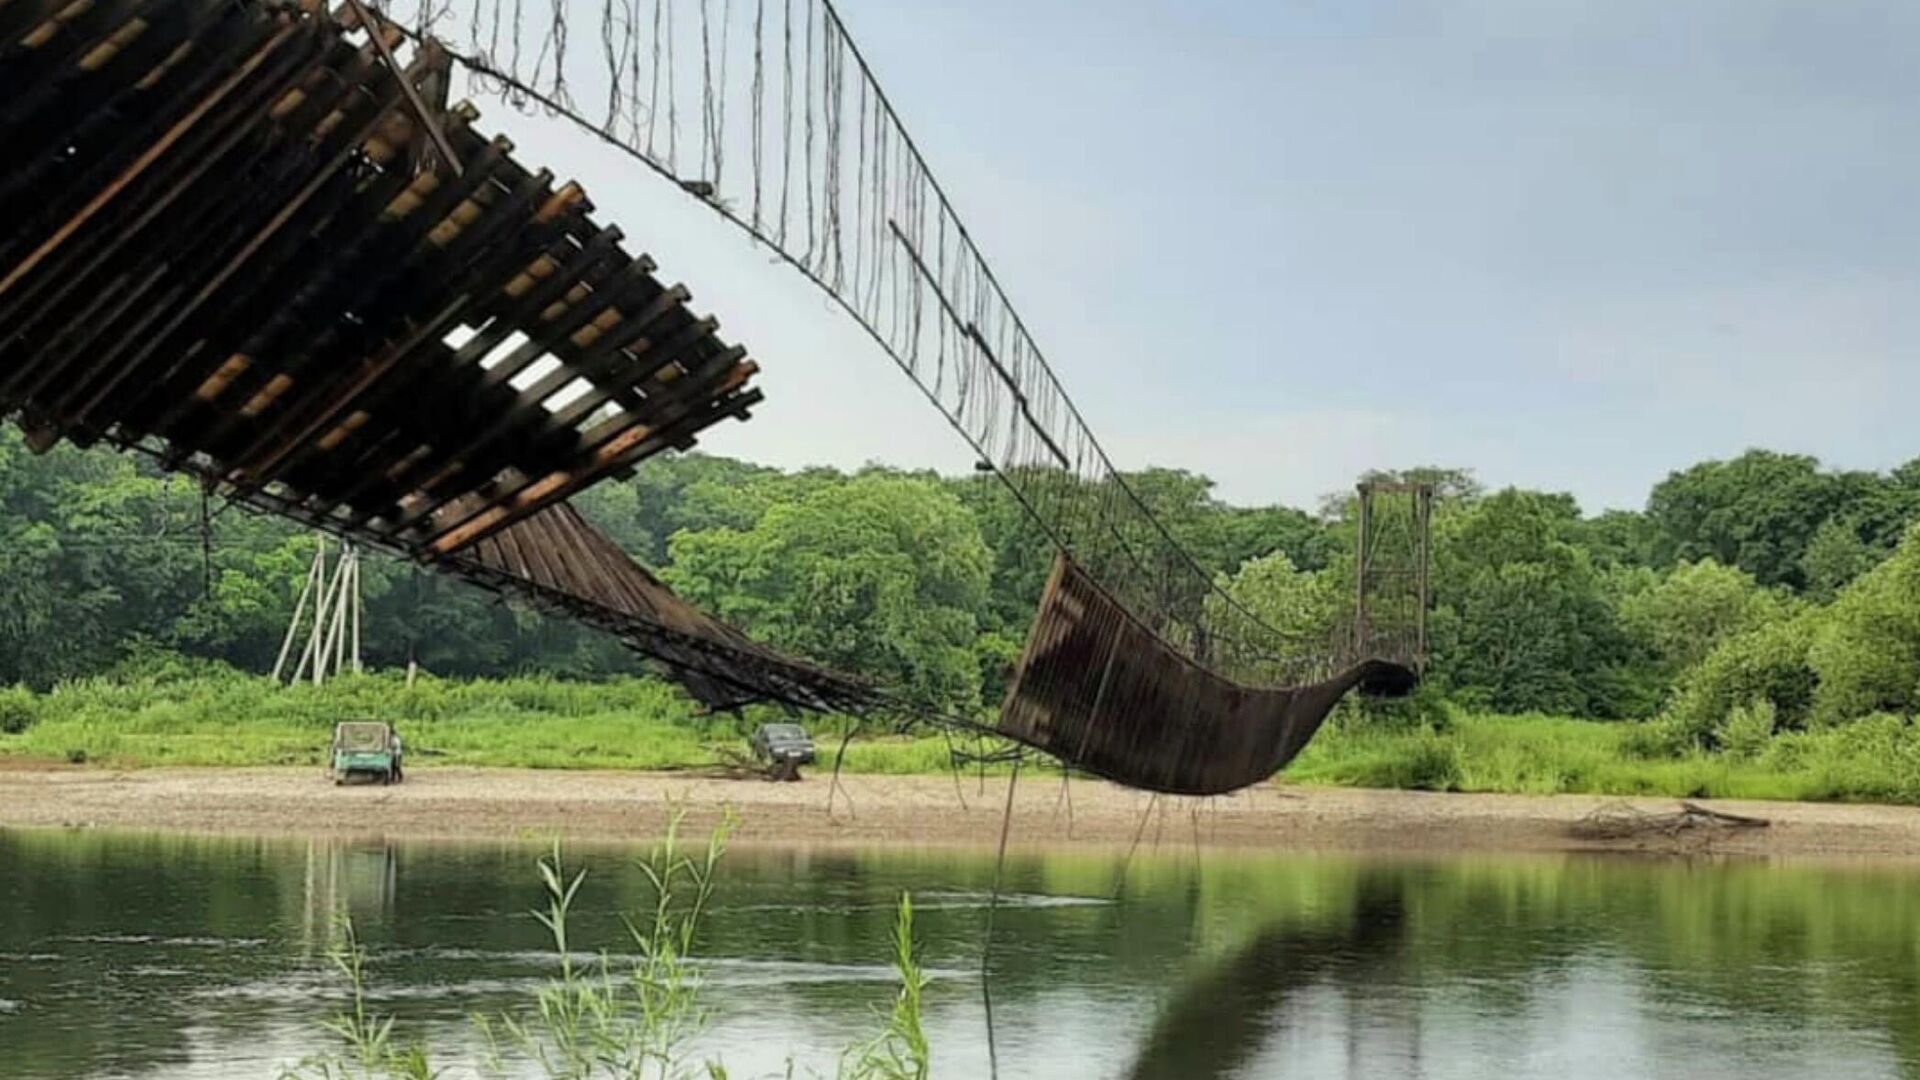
(1099, 690)
(232, 238)
(559, 560)
(227, 238)
(253, 240)
(1103, 691)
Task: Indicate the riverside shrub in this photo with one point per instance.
(18, 710)
(1768, 664)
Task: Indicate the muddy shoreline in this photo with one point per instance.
(476, 803)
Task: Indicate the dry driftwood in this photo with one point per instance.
(1623, 821)
(731, 764)
(734, 765)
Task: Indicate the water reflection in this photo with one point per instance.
(165, 956)
(1220, 1018)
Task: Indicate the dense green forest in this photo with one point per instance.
(1751, 596)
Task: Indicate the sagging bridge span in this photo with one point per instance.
(253, 239)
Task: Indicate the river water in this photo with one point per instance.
(131, 955)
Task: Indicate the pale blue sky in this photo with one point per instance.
(1572, 244)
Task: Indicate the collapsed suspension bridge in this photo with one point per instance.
(253, 239)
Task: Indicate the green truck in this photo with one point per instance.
(366, 747)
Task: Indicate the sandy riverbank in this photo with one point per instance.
(495, 803)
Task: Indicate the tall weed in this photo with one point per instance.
(900, 1051)
(1748, 729)
(635, 1021)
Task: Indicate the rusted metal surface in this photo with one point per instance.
(561, 560)
(226, 240)
(1104, 693)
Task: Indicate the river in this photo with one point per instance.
(169, 955)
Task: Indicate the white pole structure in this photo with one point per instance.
(315, 574)
(336, 619)
(335, 641)
(339, 614)
(310, 651)
(359, 609)
(318, 643)
(349, 602)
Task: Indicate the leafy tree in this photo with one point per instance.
(1255, 532)
(260, 565)
(738, 501)
(1904, 484)
(1619, 538)
(1867, 650)
(1684, 615)
(1878, 507)
(996, 652)
(1758, 512)
(1450, 485)
(1022, 548)
(1769, 663)
(1220, 537)
(1521, 620)
(1835, 556)
(1304, 607)
(673, 492)
(882, 574)
(88, 558)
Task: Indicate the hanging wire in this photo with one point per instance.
(894, 254)
(206, 540)
(993, 908)
(759, 100)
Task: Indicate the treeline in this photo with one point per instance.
(1757, 593)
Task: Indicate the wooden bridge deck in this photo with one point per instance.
(229, 242)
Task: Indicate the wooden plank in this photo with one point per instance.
(228, 131)
(234, 265)
(144, 161)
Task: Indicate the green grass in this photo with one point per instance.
(1872, 760)
(234, 719)
(224, 718)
